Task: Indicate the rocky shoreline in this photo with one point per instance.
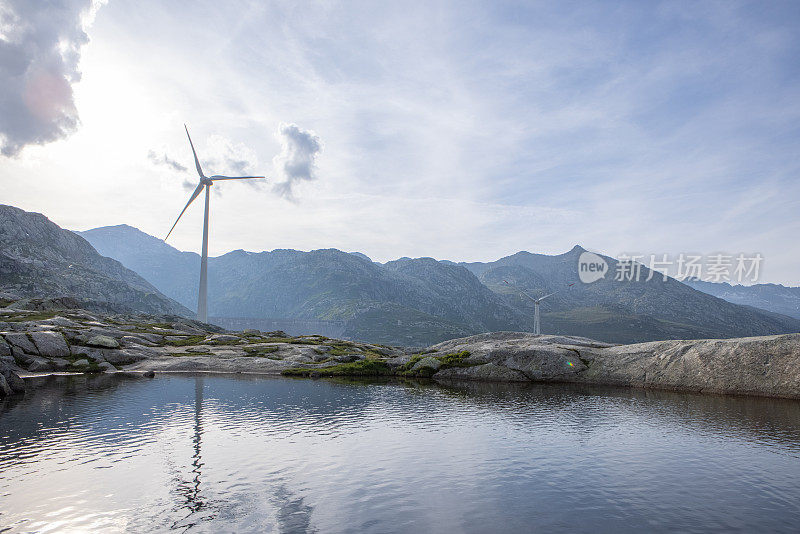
(38, 338)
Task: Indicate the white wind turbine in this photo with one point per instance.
(537, 327)
(205, 182)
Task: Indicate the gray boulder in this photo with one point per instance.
(488, 372)
(21, 340)
(157, 339)
(138, 340)
(5, 349)
(398, 361)
(74, 337)
(59, 363)
(127, 356)
(107, 332)
(90, 353)
(81, 363)
(767, 365)
(429, 362)
(61, 321)
(103, 341)
(107, 367)
(5, 389)
(10, 382)
(98, 355)
(38, 365)
(20, 357)
(545, 363)
(51, 344)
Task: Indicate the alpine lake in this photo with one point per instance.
(249, 453)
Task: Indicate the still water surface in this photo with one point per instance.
(238, 454)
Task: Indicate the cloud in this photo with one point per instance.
(166, 161)
(223, 156)
(297, 160)
(40, 46)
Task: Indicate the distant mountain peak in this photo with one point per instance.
(361, 255)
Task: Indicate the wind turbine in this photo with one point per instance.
(537, 327)
(205, 182)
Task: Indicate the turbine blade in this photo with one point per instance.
(218, 177)
(196, 161)
(191, 199)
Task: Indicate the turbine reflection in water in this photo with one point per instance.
(190, 490)
(243, 453)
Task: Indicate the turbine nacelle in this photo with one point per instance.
(204, 181)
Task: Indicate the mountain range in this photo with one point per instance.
(421, 300)
(409, 301)
(773, 297)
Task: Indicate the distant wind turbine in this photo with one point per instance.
(537, 327)
(205, 182)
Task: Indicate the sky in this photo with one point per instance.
(457, 130)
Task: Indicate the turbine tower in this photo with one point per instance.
(537, 326)
(205, 182)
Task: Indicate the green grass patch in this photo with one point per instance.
(276, 333)
(372, 366)
(189, 340)
(455, 359)
(359, 368)
(218, 343)
(92, 367)
(405, 368)
(340, 349)
(148, 328)
(373, 355)
(260, 351)
(21, 317)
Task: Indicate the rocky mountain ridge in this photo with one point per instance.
(38, 259)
